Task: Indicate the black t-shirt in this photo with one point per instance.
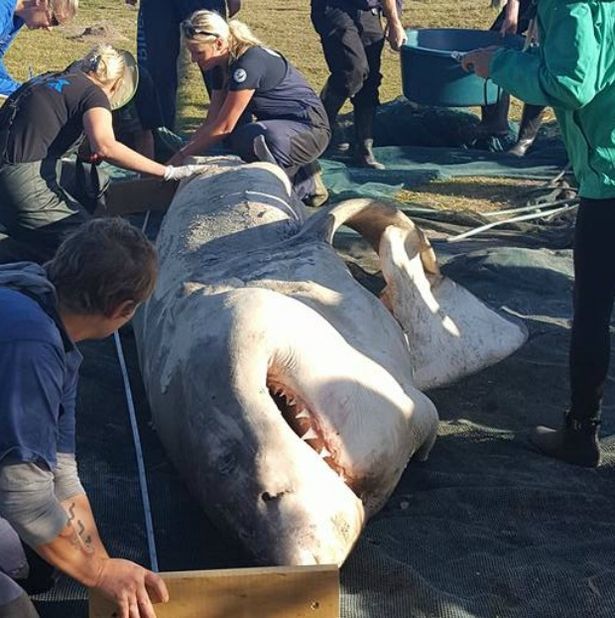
(49, 116)
(280, 91)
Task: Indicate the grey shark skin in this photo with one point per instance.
(286, 394)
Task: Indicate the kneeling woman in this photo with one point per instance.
(248, 78)
(39, 124)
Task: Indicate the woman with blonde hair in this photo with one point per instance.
(290, 127)
(42, 121)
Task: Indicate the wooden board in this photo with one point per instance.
(274, 592)
(126, 197)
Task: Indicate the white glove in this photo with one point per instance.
(172, 172)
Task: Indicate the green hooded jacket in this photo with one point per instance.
(572, 71)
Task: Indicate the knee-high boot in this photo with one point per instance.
(364, 138)
(531, 119)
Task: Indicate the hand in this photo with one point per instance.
(509, 25)
(233, 7)
(396, 35)
(132, 587)
(183, 171)
(478, 61)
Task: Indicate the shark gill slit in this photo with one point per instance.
(302, 421)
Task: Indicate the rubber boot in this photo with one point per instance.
(332, 103)
(319, 194)
(494, 119)
(576, 442)
(531, 119)
(364, 133)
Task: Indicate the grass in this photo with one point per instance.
(282, 24)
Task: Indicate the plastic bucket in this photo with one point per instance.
(431, 75)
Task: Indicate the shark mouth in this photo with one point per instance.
(302, 420)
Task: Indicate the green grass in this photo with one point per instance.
(284, 25)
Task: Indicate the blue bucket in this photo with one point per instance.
(431, 74)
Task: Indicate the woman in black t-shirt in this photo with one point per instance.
(42, 121)
(291, 127)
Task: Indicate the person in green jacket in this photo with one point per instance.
(573, 71)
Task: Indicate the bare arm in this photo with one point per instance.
(235, 103)
(99, 131)
(395, 32)
(511, 18)
(65, 535)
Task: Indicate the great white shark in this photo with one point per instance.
(289, 397)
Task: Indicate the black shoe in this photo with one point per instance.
(321, 193)
(576, 442)
(521, 147)
(364, 156)
(531, 119)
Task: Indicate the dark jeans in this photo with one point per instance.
(294, 146)
(352, 42)
(158, 45)
(496, 115)
(36, 213)
(594, 291)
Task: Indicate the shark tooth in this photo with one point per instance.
(303, 413)
(324, 453)
(310, 434)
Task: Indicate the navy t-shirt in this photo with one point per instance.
(49, 118)
(38, 387)
(280, 91)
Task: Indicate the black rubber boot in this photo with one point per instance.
(321, 193)
(494, 119)
(576, 442)
(531, 119)
(333, 102)
(364, 134)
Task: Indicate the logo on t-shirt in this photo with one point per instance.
(58, 84)
(240, 76)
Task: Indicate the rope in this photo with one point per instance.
(149, 526)
(488, 226)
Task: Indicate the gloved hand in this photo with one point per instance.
(173, 172)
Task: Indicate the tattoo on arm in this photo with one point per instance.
(80, 537)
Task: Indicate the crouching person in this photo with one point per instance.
(291, 127)
(42, 121)
(92, 287)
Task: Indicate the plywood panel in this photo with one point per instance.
(276, 592)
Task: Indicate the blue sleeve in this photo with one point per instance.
(8, 30)
(7, 84)
(31, 393)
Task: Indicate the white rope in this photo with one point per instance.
(488, 226)
(149, 526)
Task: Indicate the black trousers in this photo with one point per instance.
(158, 44)
(594, 292)
(497, 114)
(352, 42)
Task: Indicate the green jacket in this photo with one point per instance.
(572, 71)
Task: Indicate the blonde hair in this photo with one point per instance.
(64, 10)
(237, 35)
(104, 62)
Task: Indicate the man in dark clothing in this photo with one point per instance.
(352, 38)
(515, 18)
(93, 286)
(158, 43)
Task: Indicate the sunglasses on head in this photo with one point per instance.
(190, 31)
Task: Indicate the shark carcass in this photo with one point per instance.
(287, 395)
